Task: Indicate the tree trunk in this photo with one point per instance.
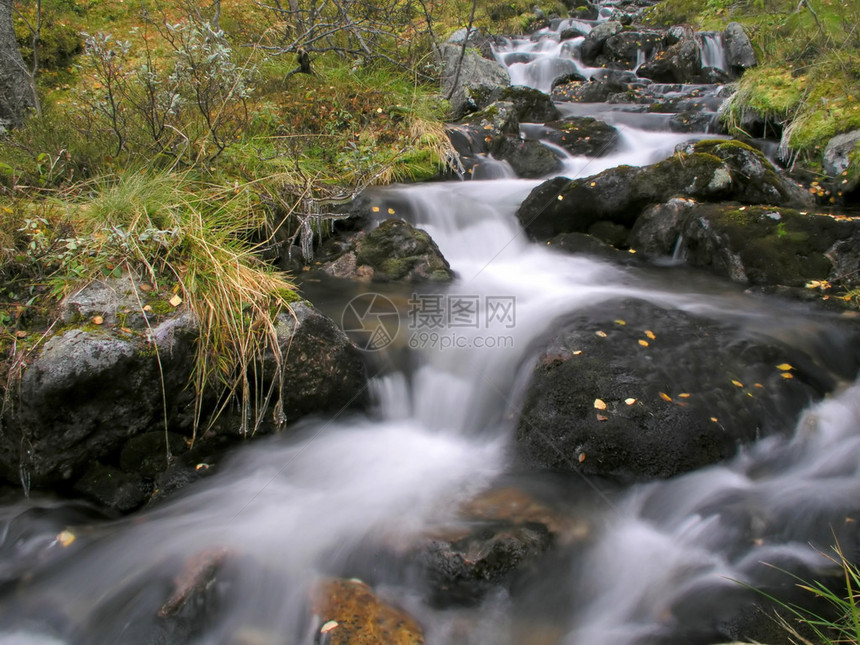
(16, 90)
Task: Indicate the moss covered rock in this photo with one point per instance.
(758, 245)
(712, 170)
(396, 250)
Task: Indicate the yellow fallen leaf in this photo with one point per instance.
(581, 457)
(98, 320)
(813, 284)
(599, 404)
(577, 352)
(147, 308)
(65, 538)
(175, 300)
(330, 625)
(715, 419)
(665, 396)
(784, 367)
(561, 198)
(630, 401)
(146, 288)
(786, 375)
(375, 209)
(631, 250)
(650, 334)
(684, 395)
(758, 385)
(644, 343)
(602, 334)
(737, 383)
(391, 211)
(621, 322)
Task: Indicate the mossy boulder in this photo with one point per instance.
(758, 245)
(396, 250)
(712, 170)
(615, 390)
(582, 135)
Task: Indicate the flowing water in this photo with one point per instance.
(663, 562)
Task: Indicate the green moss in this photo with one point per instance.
(160, 307)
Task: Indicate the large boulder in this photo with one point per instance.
(759, 245)
(85, 400)
(740, 54)
(615, 391)
(709, 170)
(86, 391)
(469, 82)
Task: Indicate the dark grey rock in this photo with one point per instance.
(835, 160)
(740, 54)
(605, 404)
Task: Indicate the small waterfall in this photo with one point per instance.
(679, 252)
(711, 48)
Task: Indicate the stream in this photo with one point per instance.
(663, 562)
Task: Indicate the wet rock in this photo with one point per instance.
(396, 250)
(573, 32)
(709, 170)
(630, 401)
(680, 63)
(322, 371)
(582, 136)
(475, 134)
(478, 77)
(151, 453)
(625, 48)
(350, 613)
(529, 159)
(112, 488)
(462, 569)
(592, 46)
(585, 244)
(754, 179)
(593, 91)
(757, 245)
(529, 105)
(740, 54)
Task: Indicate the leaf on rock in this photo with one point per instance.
(599, 404)
(630, 401)
(784, 367)
(602, 334)
(650, 334)
(665, 396)
(601, 417)
(787, 375)
(644, 343)
(175, 300)
(737, 383)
